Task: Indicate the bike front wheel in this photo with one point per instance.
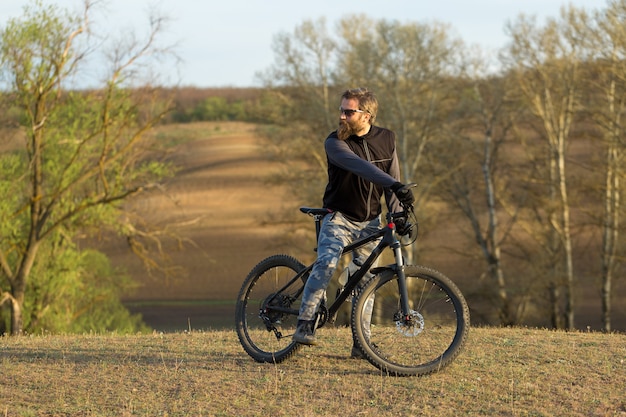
(426, 340)
(267, 307)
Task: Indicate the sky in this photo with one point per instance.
(224, 43)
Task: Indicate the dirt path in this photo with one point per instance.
(222, 186)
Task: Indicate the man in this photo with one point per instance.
(362, 167)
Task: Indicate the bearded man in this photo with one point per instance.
(362, 167)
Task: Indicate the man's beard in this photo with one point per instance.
(345, 130)
(348, 128)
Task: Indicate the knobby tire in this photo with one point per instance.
(426, 343)
(257, 290)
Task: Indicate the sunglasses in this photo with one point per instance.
(349, 112)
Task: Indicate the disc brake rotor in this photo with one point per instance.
(412, 325)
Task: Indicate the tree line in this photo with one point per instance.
(526, 146)
(522, 149)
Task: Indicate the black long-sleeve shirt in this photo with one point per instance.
(360, 172)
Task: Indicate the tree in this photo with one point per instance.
(83, 153)
(409, 67)
(477, 177)
(607, 78)
(74, 290)
(300, 81)
(547, 63)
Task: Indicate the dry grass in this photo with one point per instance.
(504, 372)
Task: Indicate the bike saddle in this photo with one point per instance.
(315, 211)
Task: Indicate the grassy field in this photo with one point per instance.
(503, 372)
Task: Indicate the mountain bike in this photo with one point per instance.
(406, 319)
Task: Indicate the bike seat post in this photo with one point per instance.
(318, 225)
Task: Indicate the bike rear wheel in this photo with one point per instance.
(263, 326)
(423, 343)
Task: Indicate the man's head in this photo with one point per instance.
(358, 112)
(366, 101)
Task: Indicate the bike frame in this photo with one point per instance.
(388, 240)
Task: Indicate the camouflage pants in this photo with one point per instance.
(336, 233)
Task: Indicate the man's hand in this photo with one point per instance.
(404, 194)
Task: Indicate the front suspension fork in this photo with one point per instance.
(402, 287)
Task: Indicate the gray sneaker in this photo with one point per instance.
(305, 332)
